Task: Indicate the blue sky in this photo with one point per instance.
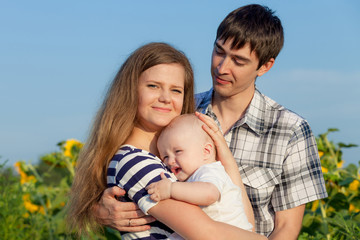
(58, 57)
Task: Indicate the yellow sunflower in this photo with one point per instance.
(68, 146)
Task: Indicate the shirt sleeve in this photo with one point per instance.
(136, 174)
(208, 174)
(302, 179)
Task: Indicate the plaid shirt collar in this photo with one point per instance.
(259, 115)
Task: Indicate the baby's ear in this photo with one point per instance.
(208, 149)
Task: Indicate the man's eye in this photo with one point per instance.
(152, 85)
(178, 151)
(218, 51)
(237, 63)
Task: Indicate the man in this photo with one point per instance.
(275, 148)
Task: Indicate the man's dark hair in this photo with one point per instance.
(256, 25)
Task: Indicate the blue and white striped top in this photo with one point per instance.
(133, 169)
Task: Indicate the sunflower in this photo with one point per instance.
(69, 145)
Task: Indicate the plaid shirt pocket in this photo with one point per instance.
(260, 183)
(259, 177)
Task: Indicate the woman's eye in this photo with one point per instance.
(178, 151)
(152, 85)
(177, 91)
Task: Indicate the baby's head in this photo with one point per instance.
(184, 146)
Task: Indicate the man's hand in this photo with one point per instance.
(160, 190)
(223, 153)
(123, 216)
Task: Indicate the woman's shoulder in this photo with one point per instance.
(129, 156)
(130, 150)
(131, 162)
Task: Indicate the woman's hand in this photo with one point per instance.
(123, 216)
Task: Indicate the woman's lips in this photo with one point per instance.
(162, 109)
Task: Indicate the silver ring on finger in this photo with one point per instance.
(129, 222)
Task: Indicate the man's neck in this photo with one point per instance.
(230, 109)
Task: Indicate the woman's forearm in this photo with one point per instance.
(192, 223)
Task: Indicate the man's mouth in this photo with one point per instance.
(221, 81)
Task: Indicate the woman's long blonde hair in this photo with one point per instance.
(113, 125)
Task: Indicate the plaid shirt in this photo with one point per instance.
(277, 157)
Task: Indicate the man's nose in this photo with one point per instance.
(224, 65)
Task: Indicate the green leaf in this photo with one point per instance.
(346, 181)
(347, 145)
(112, 234)
(352, 169)
(356, 217)
(339, 201)
(332, 130)
(308, 220)
(356, 201)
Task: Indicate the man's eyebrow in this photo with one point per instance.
(218, 46)
(241, 58)
(238, 57)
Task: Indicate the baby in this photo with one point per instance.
(190, 154)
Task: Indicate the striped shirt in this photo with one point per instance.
(277, 157)
(133, 169)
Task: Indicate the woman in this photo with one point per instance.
(154, 85)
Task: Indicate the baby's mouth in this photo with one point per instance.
(175, 170)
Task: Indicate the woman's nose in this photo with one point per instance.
(165, 96)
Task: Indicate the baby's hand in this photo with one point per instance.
(160, 190)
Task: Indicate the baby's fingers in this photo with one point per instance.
(162, 175)
(154, 197)
(150, 190)
(152, 185)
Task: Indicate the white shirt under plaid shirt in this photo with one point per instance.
(277, 157)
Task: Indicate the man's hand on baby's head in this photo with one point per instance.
(160, 190)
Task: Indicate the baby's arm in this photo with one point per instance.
(198, 193)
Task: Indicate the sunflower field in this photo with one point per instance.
(33, 198)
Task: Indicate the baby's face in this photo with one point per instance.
(181, 151)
